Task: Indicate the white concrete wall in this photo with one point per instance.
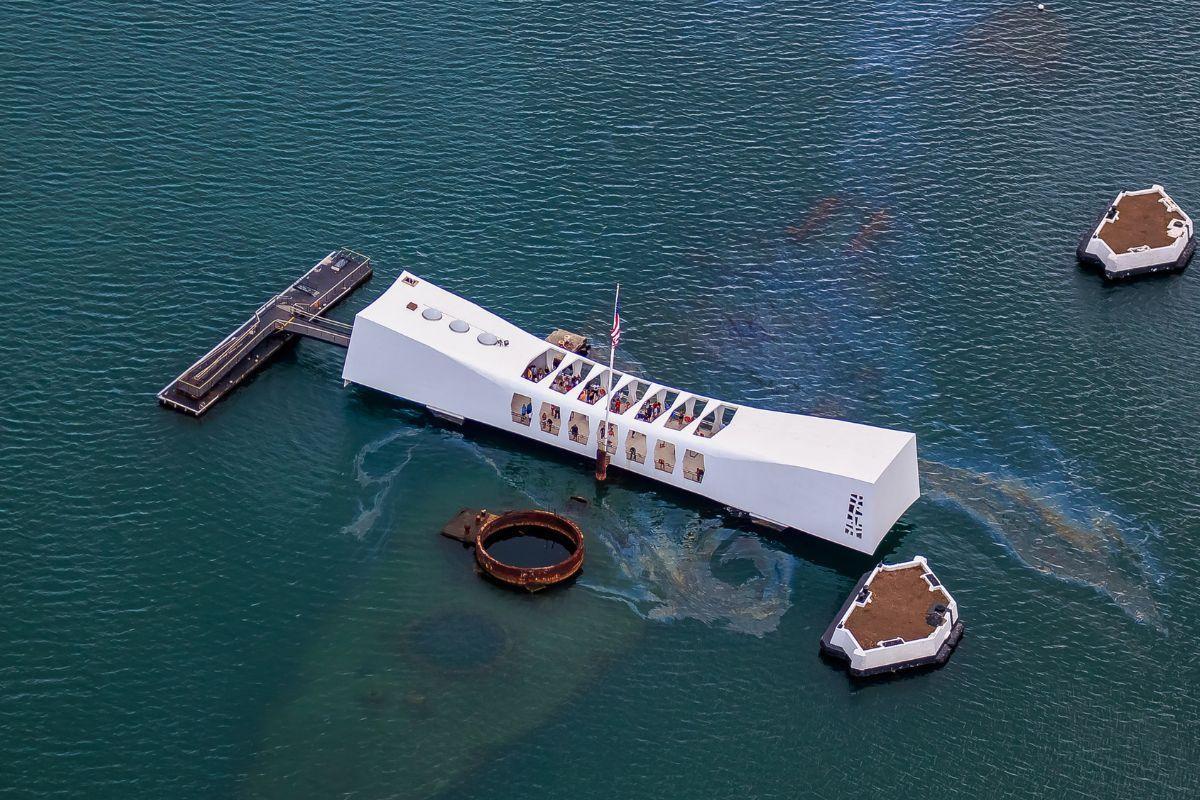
(893, 492)
(1145, 258)
(896, 654)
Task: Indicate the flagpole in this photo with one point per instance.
(602, 452)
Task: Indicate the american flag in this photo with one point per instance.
(615, 336)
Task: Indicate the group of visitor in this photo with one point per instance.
(565, 382)
(680, 418)
(534, 373)
(592, 392)
(550, 419)
(650, 411)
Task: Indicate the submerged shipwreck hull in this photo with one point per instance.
(839, 481)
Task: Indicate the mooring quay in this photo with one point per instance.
(297, 310)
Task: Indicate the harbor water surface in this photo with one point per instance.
(862, 210)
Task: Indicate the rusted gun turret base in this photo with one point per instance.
(476, 527)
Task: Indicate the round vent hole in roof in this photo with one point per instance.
(458, 326)
(431, 314)
(488, 338)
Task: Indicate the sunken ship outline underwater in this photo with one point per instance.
(839, 481)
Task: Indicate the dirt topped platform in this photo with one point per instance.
(1142, 220)
(900, 601)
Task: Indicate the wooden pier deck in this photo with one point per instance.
(297, 310)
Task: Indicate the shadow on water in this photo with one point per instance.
(671, 560)
(861, 684)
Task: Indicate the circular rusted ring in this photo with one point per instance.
(532, 578)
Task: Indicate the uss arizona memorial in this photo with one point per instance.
(839, 481)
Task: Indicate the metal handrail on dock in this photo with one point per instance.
(310, 316)
(225, 360)
(309, 328)
(297, 310)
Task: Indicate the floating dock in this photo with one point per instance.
(898, 617)
(299, 310)
(1142, 232)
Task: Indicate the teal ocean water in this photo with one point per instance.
(865, 210)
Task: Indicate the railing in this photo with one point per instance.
(318, 303)
(696, 475)
(620, 403)
(520, 419)
(635, 456)
(664, 465)
(579, 438)
(318, 328)
(309, 316)
(217, 367)
(215, 364)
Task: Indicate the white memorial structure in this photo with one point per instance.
(839, 481)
